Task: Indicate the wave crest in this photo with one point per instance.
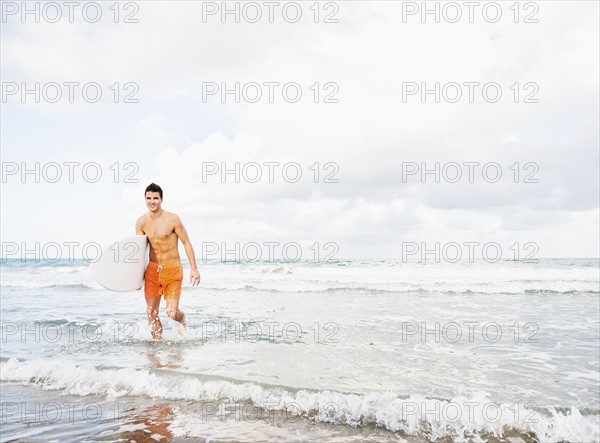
(459, 418)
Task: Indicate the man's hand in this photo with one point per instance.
(194, 277)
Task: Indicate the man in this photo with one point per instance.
(164, 273)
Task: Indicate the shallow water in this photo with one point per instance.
(350, 351)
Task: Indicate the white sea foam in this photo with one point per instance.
(478, 277)
(460, 418)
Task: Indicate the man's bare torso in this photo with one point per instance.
(161, 234)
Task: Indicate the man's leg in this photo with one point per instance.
(172, 294)
(152, 292)
(152, 305)
(173, 310)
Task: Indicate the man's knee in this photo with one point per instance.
(174, 314)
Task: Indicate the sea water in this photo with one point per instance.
(351, 350)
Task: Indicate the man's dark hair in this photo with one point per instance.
(153, 187)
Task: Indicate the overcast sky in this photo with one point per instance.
(370, 141)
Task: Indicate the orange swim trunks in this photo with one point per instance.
(163, 280)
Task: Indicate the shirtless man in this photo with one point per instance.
(164, 273)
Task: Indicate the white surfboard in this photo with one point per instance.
(121, 266)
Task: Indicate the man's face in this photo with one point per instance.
(153, 201)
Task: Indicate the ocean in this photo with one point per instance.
(344, 351)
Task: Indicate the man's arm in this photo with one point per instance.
(138, 227)
(139, 231)
(189, 251)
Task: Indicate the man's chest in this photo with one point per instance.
(157, 230)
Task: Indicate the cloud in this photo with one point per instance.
(152, 126)
(366, 139)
